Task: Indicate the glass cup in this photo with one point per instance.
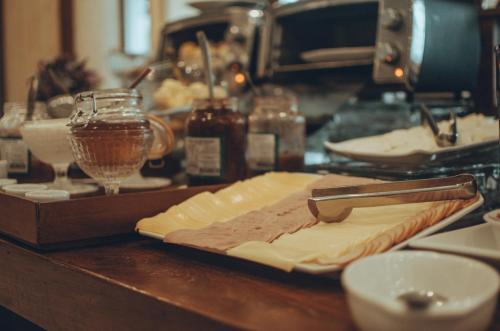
(48, 141)
(111, 137)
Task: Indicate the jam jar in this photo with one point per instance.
(276, 136)
(215, 142)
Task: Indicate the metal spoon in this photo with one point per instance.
(421, 300)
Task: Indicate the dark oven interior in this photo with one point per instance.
(350, 25)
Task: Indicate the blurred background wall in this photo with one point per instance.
(40, 30)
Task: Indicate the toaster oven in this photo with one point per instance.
(240, 24)
(423, 45)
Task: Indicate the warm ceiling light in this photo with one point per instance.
(399, 72)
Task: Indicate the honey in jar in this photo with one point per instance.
(111, 137)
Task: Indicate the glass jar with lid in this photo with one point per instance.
(111, 136)
(276, 136)
(20, 162)
(215, 142)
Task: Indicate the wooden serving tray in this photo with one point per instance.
(73, 222)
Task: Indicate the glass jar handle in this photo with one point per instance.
(163, 142)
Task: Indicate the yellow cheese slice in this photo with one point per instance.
(237, 199)
(328, 239)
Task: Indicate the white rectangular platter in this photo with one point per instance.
(333, 270)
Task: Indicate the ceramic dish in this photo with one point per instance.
(414, 158)
(334, 270)
(480, 241)
(7, 181)
(469, 290)
(493, 218)
(416, 145)
(48, 195)
(145, 183)
(21, 189)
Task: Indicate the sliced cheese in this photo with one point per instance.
(328, 239)
(237, 199)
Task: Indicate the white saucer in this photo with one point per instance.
(144, 183)
(75, 189)
(479, 241)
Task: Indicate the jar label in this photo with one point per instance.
(203, 156)
(16, 152)
(262, 150)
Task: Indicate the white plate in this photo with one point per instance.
(145, 183)
(334, 270)
(416, 157)
(416, 145)
(476, 241)
(338, 54)
(79, 187)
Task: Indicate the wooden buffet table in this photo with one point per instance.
(139, 284)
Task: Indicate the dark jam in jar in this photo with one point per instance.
(215, 143)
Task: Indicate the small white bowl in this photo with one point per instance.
(493, 218)
(22, 189)
(48, 195)
(7, 181)
(374, 283)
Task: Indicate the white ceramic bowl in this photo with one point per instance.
(493, 218)
(374, 283)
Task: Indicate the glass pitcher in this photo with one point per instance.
(111, 136)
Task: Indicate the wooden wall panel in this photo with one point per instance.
(31, 33)
(66, 26)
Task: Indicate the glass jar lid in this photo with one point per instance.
(111, 105)
(108, 94)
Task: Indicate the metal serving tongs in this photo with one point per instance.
(335, 204)
(443, 139)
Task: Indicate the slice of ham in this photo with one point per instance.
(286, 216)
